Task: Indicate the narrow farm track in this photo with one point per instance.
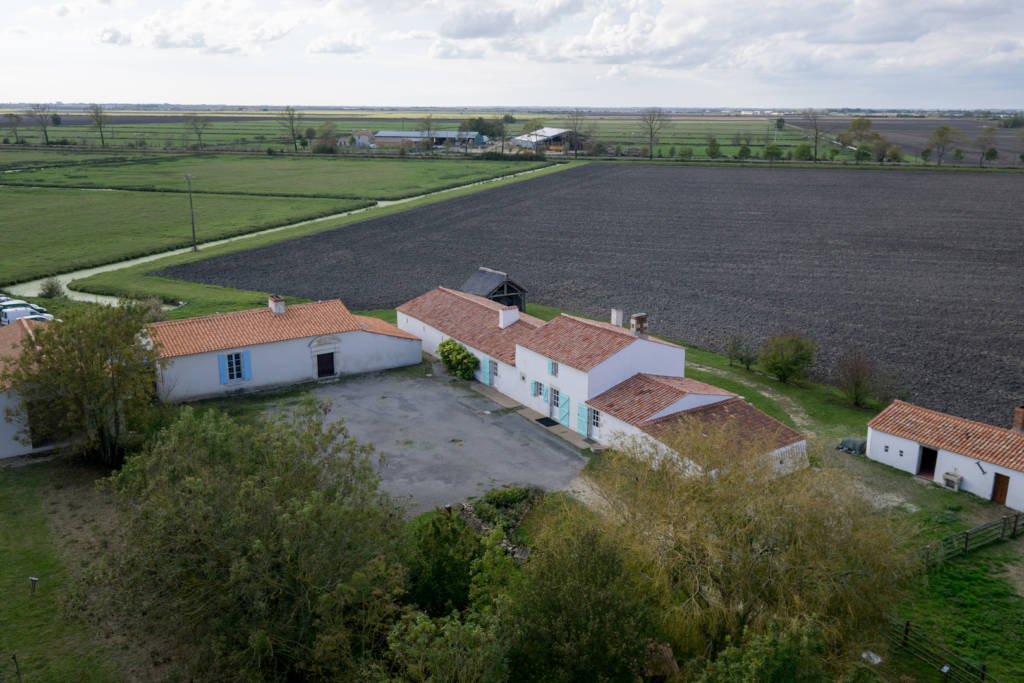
(921, 269)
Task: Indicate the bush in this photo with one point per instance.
(714, 149)
(457, 358)
(740, 350)
(439, 553)
(52, 289)
(325, 148)
(685, 152)
(787, 356)
(803, 152)
(744, 152)
(270, 151)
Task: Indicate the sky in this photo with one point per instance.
(929, 54)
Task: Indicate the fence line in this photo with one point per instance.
(952, 666)
(968, 541)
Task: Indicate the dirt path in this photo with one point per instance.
(802, 419)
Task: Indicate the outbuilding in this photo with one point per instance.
(274, 346)
(496, 286)
(954, 452)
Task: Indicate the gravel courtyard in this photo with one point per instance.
(443, 442)
(925, 270)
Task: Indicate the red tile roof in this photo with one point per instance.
(752, 425)
(638, 398)
(11, 337)
(977, 440)
(262, 326)
(580, 343)
(472, 320)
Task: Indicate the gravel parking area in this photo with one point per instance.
(922, 269)
(443, 442)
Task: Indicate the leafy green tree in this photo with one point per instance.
(55, 119)
(860, 130)
(262, 544)
(439, 554)
(787, 356)
(895, 154)
(744, 152)
(90, 379)
(942, 139)
(879, 149)
(450, 648)
(926, 154)
(833, 152)
(958, 155)
(787, 653)
(714, 150)
(532, 125)
(863, 153)
(985, 142)
(686, 153)
(772, 152)
(803, 152)
(991, 154)
(672, 152)
(739, 349)
(580, 612)
(457, 358)
(780, 123)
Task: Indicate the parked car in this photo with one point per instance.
(18, 303)
(9, 315)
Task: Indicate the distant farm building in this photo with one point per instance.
(357, 138)
(395, 138)
(554, 139)
(496, 286)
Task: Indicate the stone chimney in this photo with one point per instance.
(638, 324)
(618, 317)
(507, 316)
(1018, 419)
(276, 304)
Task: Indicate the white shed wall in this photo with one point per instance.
(910, 450)
(643, 355)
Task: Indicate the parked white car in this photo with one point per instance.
(9, 315)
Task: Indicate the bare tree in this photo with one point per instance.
(198, 126)
(291, 120)
(12, 120)
(985, 141)
(813, 117)
(574, 121)
(427, 125)
(41, 114)
(653, 120)
(99, 119)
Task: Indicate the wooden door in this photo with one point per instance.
(1000, 488)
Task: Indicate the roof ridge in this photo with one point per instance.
(949, 416)
(170, 323)
(476, 299)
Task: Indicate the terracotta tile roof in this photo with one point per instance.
(977, 440)
(378, 326)
(472, 320)
(11, 337)
(752, 425)
(581, 343)
(638, 398)
(260, 326)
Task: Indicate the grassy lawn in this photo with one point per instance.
(319, 176)
(12, 158)
(48, 231)
(50, 644)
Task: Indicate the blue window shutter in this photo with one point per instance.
(485, 370)
(581, 418)
(533, 388)
(246, 365)
(545, 393)
(549, 367)
(222, 363)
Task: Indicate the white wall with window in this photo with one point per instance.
(570, 383)
(642, 356)
(282, 363)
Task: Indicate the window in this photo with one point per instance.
(886, 449)
(494, 368)
(554, 397)
(235, 366)
(595, 418)
(538, 389)
(901, 452)
(553, 368)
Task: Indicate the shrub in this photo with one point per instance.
(714, 149)
(457, 358)
(803, 152)
(685, 152)
(787, 356)
(439, 553)
(740, 350)
(744, 152)
(52, 289)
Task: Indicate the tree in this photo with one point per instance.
(941, 140)
(714, 149)
(958, 155)
(803, 152)
(427, 126)
(262, 544)
(90, 379)
(744, 152)
(55, 119)
(991, 154)
(457, 358)
(98, 119)
(574, 121)
(857, 376)
(879, 149)
(686, 153)
(41, 114)
(787, 356)
(653, 121)
(813, 118)
(740, 350)
(197, 125)
(772, 152)
(926, 154)
(780, 123)
(863, 153)
(833, 152)
(860, 130)
(895, 154)
(12, 120)
(291, 120)
(439, 553)
(531, 125)
(986, 141)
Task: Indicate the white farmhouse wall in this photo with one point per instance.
(284, 363)
(570, 382)
(975, 480)
(431, 337)
(642, 356)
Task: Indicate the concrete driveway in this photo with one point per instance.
(443, 442)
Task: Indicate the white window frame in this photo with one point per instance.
(236, 366)
(554, 368)
(556, 396)
(595, 418)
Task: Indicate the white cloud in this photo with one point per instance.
(444, 49)
(348, 44)
(112, 36)
(472, 22)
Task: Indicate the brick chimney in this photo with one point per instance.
(638, 324)
(276, 304)
(1018, 419)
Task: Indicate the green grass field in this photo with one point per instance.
(320, 176)
(47, 231)
(14, 158)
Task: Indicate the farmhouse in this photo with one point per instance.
(955, 452)
(544, 138)
(274, 346)
(496, 286)
(599, 379)
(12, 339)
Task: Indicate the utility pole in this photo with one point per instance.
(191, 213)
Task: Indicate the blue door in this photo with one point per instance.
(563, 409)
(582, 420)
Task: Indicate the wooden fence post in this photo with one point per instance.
(906, 632)
(984, 668)
(1002, 529)
(967, 539)
(1016, 520)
